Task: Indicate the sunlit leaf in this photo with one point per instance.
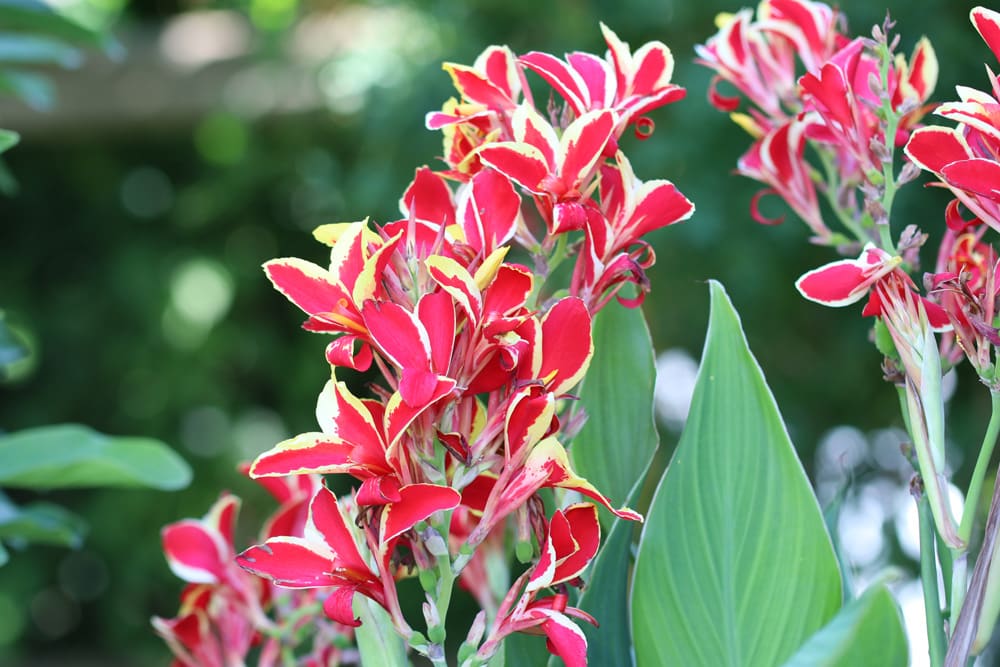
(41, 18)
(69, 455)
(735, 566)
(8, 139)
(617, 443)
(377, 640)
(868, 631)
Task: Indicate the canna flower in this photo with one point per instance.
(557, 170)
(911, 321)
(570, 543)
(965, 158)
(628, 84)
(759, 57)
(965, 284)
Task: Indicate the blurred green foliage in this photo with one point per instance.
(131, 257)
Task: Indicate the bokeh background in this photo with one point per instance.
(220, 133)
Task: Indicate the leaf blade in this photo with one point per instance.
(734, 544)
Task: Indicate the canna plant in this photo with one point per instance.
(506, 426)
(836, 134)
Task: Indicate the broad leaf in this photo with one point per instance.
(69, 455)
(377, 640)
(868, 631)
(40, 522)
(616, 445)
(735, 566)
(520, 648)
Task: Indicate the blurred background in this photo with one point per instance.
(164, 168)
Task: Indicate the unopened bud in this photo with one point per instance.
(436, 545)
(524, 551)
(428, 580)
(909, 172)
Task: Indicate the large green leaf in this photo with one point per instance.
(616, 445)
(377, 640)
(735, 566)
(868, 631)
(69, 455)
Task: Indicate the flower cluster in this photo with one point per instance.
(475, 356)
(225, 611)
(852, 100)
(854, 104)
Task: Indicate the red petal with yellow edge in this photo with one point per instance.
(222, 516)
(576, 536)
(598, 77)
(397, 334)
(339, 606)
(379, 491)
(399, 415)
(305, 453)
(195, 553)
(528, 419)
(522, 163)
(567, 344)
(987, 22)
(550, 457)
(428, 198)
(341, 353)
(476, 88)
(978, 175)
(436, 312)
(291, 562)
(488, 211)
(658, 204)
(458, 283)
(417, 502)
(932, 148)
(509, 290)
(566, 81)
(340, 413)
(565, 639)
(829, 90)
(328, 523)
(836, 284)
(310, 287)
(583, 143)
(653, 69)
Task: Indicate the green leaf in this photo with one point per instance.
(868, 631)
(616, 445)
(31, 49)
(42, 523)
(8, 139)
(524, 649)
(69, 455)
(40, 18)
(735, 566)
(377, 640)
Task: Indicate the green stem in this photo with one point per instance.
(929, 579)
(888, 167)
(979, 472)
